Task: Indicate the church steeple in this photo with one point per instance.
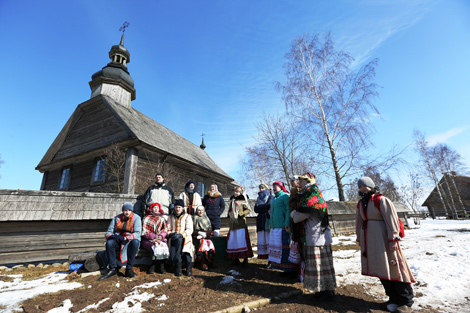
(114, 80)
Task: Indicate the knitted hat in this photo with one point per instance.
(365, 181)
(281, 185)
(127, 206)
(179, 202)
(308, 177)
(189, 183)
(160, 174)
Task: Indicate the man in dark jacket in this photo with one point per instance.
(160, 193)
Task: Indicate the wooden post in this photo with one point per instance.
(130, 171)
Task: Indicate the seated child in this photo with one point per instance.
(205, 249)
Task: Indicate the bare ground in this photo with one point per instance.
(203, 292)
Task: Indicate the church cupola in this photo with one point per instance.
(114, 80)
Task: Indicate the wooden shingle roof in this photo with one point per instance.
(130, 125)
(34, 205)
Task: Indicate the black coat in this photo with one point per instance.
(214, 206)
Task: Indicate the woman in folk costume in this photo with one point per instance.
(311, 216)
(154, 231)
(214, 205)
(238, 238)
(377, 231)
(192, 200)
(279, 234)
(262, 206)
(180, 227)
(205, 249)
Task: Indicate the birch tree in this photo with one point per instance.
(423, 149)
(333, 100)
(280, 152)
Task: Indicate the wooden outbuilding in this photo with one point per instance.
(455, 191)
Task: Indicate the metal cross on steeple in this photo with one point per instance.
(124, 26)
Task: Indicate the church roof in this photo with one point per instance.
(156, 135)
(132, 124)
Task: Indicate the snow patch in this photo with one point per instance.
(234, 273)
(64, 308)
(17, 291)
(228, 280)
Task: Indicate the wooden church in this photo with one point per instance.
(108, 146)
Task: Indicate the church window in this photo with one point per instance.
(99, 171)
(200, 188)
(65, 178)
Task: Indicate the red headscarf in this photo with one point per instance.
(281, 184)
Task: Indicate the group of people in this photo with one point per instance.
(293, 234)
(175, 232)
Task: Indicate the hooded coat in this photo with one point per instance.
(375, 229)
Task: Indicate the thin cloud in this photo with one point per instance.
(441, 138)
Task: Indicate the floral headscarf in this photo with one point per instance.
(308, 177)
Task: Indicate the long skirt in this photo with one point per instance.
(319, 273)
(263, 244)
(279, 248)
(238, 244)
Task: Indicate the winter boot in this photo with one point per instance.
(189, 269)
(129, 273)
(151, 269)
(203, 264)
(245, 262)
(161, 267)
(178, 269)
(235, 262)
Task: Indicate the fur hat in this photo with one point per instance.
(179, 202)
(308, 177)
(127, 206)
(365, 181)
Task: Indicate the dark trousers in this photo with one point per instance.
(400, 293)
(114, 246)
(176, 246)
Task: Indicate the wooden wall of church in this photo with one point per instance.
(97, 127)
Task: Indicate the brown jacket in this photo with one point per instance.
(242, 208)
(374, 231)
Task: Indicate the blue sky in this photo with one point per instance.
(210, 67)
